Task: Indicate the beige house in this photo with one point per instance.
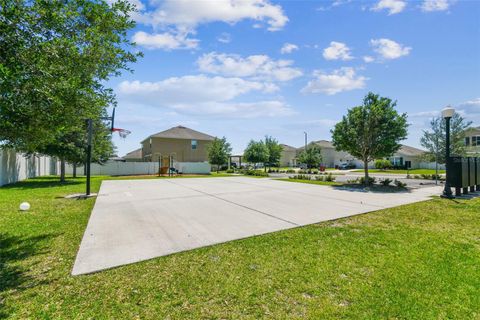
(134, 156)
(407, 156)
(288, 157)
(332, 158)
(183, 144)
(472, 140)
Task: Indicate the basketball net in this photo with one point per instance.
(123, 133)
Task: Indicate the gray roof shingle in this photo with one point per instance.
(181, 132)
(135, 154)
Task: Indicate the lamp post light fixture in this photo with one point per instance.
(305, 140)
(447, 114)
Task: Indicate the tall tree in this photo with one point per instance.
(55, 57)
(274, 151)
(71, 147)
(433, 140)
(218, 152)
(312, 156)
(371, 131)
(256, 152)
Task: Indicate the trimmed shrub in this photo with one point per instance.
(230, 171)
(386, 182)
(257, 173)
(329, 178)
(353, 181)
(382, 164)
(400, 184)
(371, 180)
(301, 177)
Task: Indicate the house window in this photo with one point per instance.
(194, 144)
(397, 161)
(467, 141)
(475, 141)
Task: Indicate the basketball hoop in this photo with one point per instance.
(123, 133)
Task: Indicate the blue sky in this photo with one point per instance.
(250, 68)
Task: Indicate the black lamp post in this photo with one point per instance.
(447, 114)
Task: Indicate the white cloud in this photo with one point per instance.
(435, 5)
(424, 114)
(174, 20)
(268, 108)
(196, 88)
(322, 122)
(343, 79)
(393, 6)
(288, 48)
(337, 3)
(203, 95)
(470, 110)
(337, 51)
(389, 49)
(255, 66)
(164, 41)
(368, 59)
(187, 15)
(224, 37)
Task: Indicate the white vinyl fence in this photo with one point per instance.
(119, 168)
(17, 167)
(430, 165)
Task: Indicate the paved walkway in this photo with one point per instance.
(135, 220)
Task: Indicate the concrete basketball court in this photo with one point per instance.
(135, 220)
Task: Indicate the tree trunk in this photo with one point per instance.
(74, 170)
(365, 168)
(62, 170)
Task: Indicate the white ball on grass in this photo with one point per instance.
(24, 206)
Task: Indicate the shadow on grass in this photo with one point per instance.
(355, 187)
(43, 182)
(13, 274)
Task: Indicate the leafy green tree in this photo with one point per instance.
(55, 58)
(71, 148)
(433, 140)
(312, 156)
(370, 131)
(274, 151)
(256, 152)
(383, 164)
(218, 152)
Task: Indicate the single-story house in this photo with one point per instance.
(407, 156)
(331, 158)
(472, 140)
(182, 143)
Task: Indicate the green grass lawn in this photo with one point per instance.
(412, 172)
(419, 261)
